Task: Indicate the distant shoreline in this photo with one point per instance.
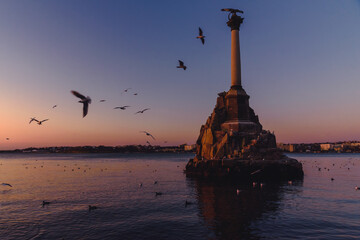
(328, 147)
(105, 149)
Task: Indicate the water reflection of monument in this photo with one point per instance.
(232, 141)
(229, 215)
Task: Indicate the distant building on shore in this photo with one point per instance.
(286, 147)
(189, 148)
(339, 147)
(326, 146)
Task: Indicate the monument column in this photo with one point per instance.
(236, 99)
(234, 23)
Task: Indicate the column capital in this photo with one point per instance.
(235, 21)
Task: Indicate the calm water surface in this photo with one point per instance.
(316, 208)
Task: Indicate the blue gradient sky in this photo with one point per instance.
(300, 66)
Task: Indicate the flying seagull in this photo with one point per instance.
(122, 108)
(142, 111)
(40, 122)
(54, 106)
(102, 100)
(148, 134)
(181, 65)
(201, 36)
(85, 100)
(126, 90)
(6, 184)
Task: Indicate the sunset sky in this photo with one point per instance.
(300, 66)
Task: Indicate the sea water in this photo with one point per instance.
(123, 188)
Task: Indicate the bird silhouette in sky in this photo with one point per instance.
(84, 100)
(126, 90)
(135, 94)
(201, 36)
(148, 143)
(148, 134)
(181, 65)
(54, 106)
(102, 100)
(142, 111)
(122, 108)
(40, 122)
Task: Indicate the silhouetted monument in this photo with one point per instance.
(232, 141)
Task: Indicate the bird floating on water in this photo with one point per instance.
(148, 134)
(201, 36)
(92, 208)
(181, 65)
(142, 111)
(102, 100)
(122, 108)
(45, 203)
(84, 100)
(54, 106)
(158, 193)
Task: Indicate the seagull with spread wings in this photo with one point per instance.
(148, 134)
(181, 65)
(40, 122)
(84, 100)
(122, 108)
(201, 36)
(142, 111)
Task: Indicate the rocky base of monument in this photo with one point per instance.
(233, 143)
(251, 170)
